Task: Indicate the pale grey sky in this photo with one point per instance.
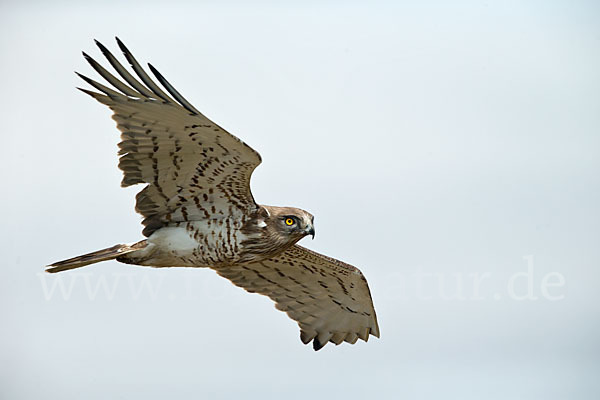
(450, 151)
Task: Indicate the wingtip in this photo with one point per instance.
(85, 78)
(157, 74)
(121, 45)
(305, 336)
(317, 345)
(375, 332)
(102, 48)
(88, 92)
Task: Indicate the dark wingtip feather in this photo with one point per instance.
(85, 78)
(116, 83)
(173, 92)
(141, 89)
(89, 92)
(89, 59)
(317, 345)
(124, 49)
(122, 46)
(141, 73)
(102, 48)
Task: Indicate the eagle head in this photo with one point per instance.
(273, 229)
(290, 223)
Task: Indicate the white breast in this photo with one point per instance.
(174, 239)
(197, 243)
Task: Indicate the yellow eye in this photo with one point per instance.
(289, 221)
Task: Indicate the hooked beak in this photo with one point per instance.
(310, 230)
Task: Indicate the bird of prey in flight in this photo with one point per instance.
(199, 211)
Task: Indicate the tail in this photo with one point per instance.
(91, 258)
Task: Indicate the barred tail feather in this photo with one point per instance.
(91, 258)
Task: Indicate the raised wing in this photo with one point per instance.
(194, 168)
(329, 299)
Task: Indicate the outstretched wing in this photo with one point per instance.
(329, 299)
(193, 168)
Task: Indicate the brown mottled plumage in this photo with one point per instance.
(199, 211)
